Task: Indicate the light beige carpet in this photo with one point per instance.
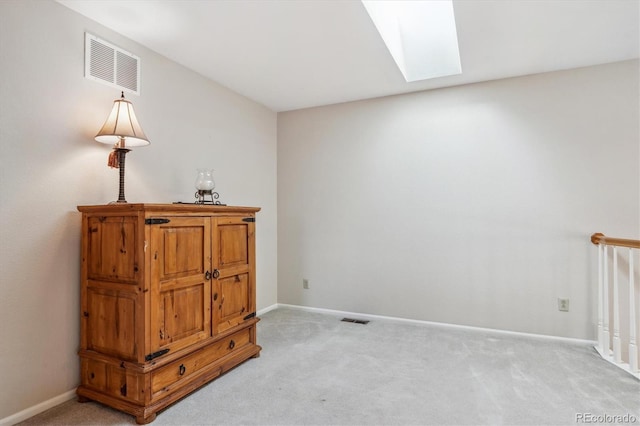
(316, 370)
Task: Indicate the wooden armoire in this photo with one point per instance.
(168, 301)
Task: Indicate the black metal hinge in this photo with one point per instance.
(249, 219)
(251, 315)
(155, 221)
(156, 354)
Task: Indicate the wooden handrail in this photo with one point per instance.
(599, 238)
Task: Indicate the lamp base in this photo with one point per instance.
(121, 153)
(201, 195)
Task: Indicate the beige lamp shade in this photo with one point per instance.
(122, 127)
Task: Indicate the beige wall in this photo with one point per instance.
(49, 163)
(470, 205)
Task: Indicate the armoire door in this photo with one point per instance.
(180, 282)
(234, 271)
(110, 322)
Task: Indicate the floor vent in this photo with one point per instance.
(355, 321)
(108, 64)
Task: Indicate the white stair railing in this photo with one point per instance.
(621, 348)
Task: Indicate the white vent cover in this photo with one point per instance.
(108, 64)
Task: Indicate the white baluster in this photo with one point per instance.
(601, 344)
(605, 304)
(633, 348)
(617, 352)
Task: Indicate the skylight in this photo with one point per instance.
(420, 35)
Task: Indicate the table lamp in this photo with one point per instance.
(123, 131)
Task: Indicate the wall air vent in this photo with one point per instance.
(108, 64)
(355, 321)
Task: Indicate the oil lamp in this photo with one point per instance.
(204, 187)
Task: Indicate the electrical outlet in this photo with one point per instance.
(563, 305)
(305, 284)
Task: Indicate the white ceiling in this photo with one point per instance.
(295, 54)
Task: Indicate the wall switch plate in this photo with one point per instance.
(305, 284)
(563, 305)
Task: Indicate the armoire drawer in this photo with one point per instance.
(184, 369)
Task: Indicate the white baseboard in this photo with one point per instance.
(267, 309)
(608, 356)
(37, 409)
(436, 324)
